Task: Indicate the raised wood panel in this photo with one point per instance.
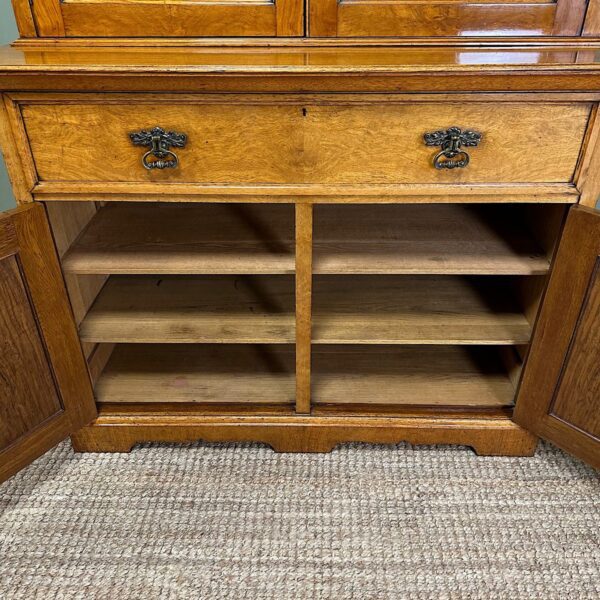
(364, 18)
(45, 391)
(425, 376)
(168, 18)
(206, 373)
(559, 398)
(312, 144)
(577, 399)
(28, 394)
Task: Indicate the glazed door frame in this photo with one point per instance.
(559, 395)
(465, 18)
(45, 389)
(167, 18)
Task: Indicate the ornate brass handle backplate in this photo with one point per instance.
(160, 142)
(452, 156)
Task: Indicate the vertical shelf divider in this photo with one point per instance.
(304, 238)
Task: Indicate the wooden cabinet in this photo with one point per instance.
(300, 243)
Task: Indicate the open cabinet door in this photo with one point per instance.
(559, 397)
(45, 389)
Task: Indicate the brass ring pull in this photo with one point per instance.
(168, 160)
(450, 160)
(452, 156)
(159, 141)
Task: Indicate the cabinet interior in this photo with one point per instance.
(412, 304)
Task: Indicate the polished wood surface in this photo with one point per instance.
(168, 18)
(361, 18)
(45, 392)
(560, 394)
(302, 141)
(255, 65)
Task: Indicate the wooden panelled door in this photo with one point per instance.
(415, 18)
(559, 397)
(45, 390)
(168, 18)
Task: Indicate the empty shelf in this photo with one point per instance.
(206, 373)
(424, 239)
(451, 376)
(207, 309)
(150, 238)
(426, 309)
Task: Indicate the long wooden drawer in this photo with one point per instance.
(309, 141)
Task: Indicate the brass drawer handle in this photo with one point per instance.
(159, 141)
(452, 156)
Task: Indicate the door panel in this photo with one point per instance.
(364, 18)
(45, 391)
(168, 18)
(32, 399)
(559, 398)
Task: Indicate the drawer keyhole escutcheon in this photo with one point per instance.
(160, 156)
(452, 156)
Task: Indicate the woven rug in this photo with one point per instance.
(237, 521)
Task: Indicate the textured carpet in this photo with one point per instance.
(217, 521)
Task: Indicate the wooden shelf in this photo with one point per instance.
(427, 309)
(174, 238)
(200, 309)
(347, 310)
(430, 239)
(453, 376)
(198, 373)
(161, 238)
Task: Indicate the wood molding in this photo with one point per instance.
(489, 435)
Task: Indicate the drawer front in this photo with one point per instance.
(292, 143)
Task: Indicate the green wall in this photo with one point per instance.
(8, 32)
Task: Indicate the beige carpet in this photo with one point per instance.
(241, 522)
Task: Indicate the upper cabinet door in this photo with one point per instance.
(168, 18)
(559, 398)
(45, 389)
(416, 18)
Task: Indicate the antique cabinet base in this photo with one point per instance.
(490, 434)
